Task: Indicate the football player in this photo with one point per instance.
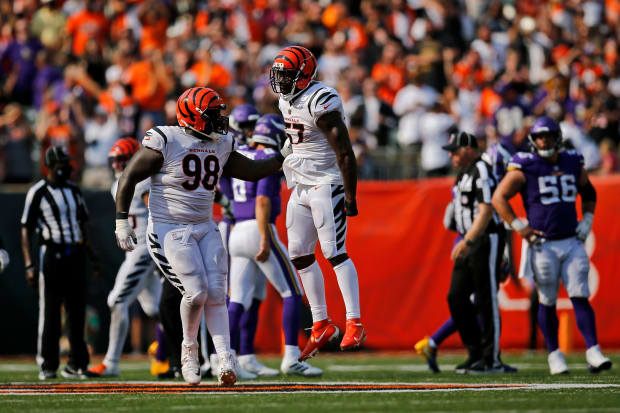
(549, 181)
(323, 172)
(185, 163)
(136, 276)
(257, 252)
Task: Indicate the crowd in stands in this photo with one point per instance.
(84, 73)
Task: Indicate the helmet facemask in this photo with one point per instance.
(283, 80)
(545, 153)
(212, 124)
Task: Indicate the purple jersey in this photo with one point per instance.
(245, 193)
(550, 191)
(508, 119)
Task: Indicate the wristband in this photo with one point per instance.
(468, 242)
(518, 224)
(122, 215)
(29, 267)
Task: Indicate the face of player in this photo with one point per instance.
(118, 164)
(545, 141)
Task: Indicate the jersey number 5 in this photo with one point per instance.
(192, 167)
(300, 132)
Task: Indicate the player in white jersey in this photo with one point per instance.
(323, 172)
(185, 163)
(136, 276)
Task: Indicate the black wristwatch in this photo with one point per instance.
(468, 242)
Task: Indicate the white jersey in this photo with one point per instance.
(183, 190)
(138, 211)
(313, 160)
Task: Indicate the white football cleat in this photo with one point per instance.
(291, 366)
(227, 376)
(596, 360)
(557, 363)
(190, 366)
(249, 363)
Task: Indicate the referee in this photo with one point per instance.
(476, 257)
(55, 209)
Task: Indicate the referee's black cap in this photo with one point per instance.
(461, 140)
(54, 155)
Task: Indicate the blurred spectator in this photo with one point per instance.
(379, 118)
(435, 128)
(48, 24)
(16, 143)
(388, 72)
(87, 24)
(17, 64)
(100, 133)
(609, 157)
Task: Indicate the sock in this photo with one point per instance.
(584, 314)
(249, 323)
(291, 313)
(446, 330)
(191, 310)
(235, 312)
(291, 352)
(119, 324)
(548, 323)
(314, 286)
(346, 274)
(162, 351)
(216, 317)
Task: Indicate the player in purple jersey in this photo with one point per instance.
(257, 254)
(242, 121)
(549, 180)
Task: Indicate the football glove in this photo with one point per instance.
(585, 226)
(125, 236)
(4, 259)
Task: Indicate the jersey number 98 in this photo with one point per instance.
(192, 167)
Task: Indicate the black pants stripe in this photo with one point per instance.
(476, 274)
(62, 281)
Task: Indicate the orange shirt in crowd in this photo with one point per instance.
(390, 79)
(489, 102)
(214, 75)
(146, 90)
(60, 135)
(154, 35)
(85, 25)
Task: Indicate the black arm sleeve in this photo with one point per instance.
(587, 192)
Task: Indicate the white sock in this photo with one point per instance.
(291, 352)
(119, 324)
(346, 274)
(314, 286)
(216, 317)
(190, 318)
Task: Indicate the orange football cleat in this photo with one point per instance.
(354, 335)
(105, 371)
(322, 332)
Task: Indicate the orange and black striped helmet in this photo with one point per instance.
(292, 70)
(199, 109)
(121, 152)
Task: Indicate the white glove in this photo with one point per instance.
(287, 148)
(4, 260)
(125, 236)
(585, 226)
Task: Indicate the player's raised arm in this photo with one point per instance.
(145, 163)
(241, 167)
(337, 135)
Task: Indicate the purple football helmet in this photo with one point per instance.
(242, 121)
(269, 130)
(545, 126)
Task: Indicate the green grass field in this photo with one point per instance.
(569, 393)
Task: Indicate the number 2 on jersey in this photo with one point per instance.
(192, 167)
(300, 132)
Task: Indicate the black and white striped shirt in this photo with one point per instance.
(56, 212)
(473, 187)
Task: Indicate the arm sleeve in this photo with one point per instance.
(31, 208)
(270, 185)
(156, 139)
(484, 183)
(325, 101)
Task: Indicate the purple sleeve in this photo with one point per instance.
(519, 161)
(269, 186)
(226, 186)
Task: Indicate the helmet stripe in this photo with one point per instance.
(202, 98)
(181, 109)
(189, 111)
(294, 51)
(281, 56)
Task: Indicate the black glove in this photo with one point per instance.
(350, 208)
